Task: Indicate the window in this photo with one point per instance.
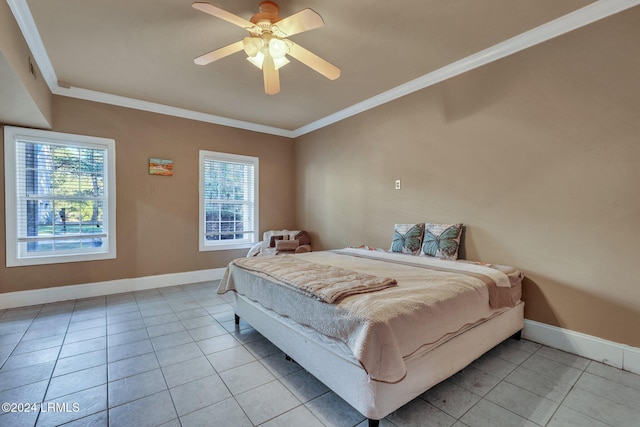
(228, 201)
(60, 197)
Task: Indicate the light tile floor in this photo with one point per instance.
(173, 356)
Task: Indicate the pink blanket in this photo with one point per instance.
(320, 281)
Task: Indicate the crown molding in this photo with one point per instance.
(562, 25)
(22, 14)
(27, 25)
(569, 22)
(107, 98)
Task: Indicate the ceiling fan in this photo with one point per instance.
(267, 46)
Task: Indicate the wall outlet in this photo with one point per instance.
(397, 184)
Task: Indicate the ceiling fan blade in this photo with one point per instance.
(271, 76)
(304, 20)
(208, 58)
(223, 14)
(314, 62)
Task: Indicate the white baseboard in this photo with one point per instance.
(64, 293)
(608, 352)
(632, 359)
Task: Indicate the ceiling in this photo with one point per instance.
(139, 53)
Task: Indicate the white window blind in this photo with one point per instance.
(60, 188)
(228, 201)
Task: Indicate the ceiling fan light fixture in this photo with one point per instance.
(252, 45)
(277, 48)
(280, 62)
(258, 61)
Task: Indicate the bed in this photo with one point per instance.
(377, 328)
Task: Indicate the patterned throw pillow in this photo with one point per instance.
(407, 238)
(442, 240)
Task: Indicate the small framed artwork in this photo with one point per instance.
(162, 167)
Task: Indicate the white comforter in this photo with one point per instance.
(434, 301)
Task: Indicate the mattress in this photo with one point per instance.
(434, 301)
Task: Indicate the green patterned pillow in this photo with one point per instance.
(442, 240)
(407, 238)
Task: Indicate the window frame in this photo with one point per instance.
(205, 245)
(12, 135)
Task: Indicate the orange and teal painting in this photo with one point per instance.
(160, 167)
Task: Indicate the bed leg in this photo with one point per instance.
(289, 359)
(517, 335)
(373, 423)
(237, 319)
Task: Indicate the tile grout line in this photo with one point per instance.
(22, 336)
(459, 419)
(175, 408)
(283, 385)
(233, 396)
(573, 387)
(530, 391)
(135, 301)
(602, 396)
(106, 356)
(44, 397)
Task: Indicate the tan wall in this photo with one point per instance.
(157, 217)
(26, 99)
(538, 154)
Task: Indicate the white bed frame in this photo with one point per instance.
(342, 373)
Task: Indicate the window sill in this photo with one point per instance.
(58, 259)
(226, 247)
